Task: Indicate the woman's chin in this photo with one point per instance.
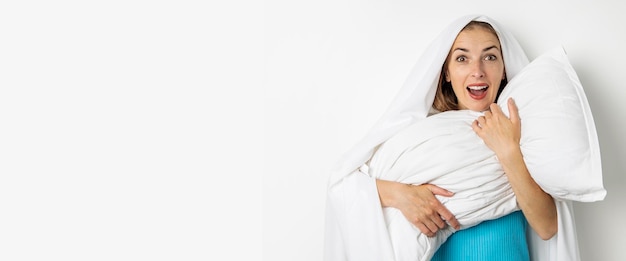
(477, 107)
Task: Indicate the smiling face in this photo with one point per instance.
(475, 68)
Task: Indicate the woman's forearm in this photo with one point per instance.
(537, 205)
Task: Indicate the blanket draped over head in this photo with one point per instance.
(355, 222)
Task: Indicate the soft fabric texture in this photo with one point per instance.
(442, 150)
(502, 239)
(559, 140)
(355, 223)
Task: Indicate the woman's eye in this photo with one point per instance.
(490, 57)
(461, 59)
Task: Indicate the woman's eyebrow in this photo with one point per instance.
(466, 50)
(490, 47)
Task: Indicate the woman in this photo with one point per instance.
(477, 60)
(472, 77)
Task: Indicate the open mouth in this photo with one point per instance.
(477, 91)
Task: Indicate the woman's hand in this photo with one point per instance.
(500, 134)
(418, 204)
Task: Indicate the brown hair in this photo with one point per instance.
(445, 99)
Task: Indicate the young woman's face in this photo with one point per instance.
(475, 68)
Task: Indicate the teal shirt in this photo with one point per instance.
(502, 239)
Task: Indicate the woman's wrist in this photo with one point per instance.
(385, 192)
(510, 155)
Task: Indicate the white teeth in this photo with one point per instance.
(477, 88)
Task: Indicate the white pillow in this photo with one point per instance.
(559, 140)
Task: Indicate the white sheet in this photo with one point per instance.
(442, 150)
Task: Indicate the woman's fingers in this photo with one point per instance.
(434, 225)
(440, 191)
(513, 111)
(448, 217)
(429, 225)
(424, 229)
(425, 211)
(498, 131)
(495, 110)
(441, 210)
(488, 114)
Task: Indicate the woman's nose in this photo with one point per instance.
(477, 70)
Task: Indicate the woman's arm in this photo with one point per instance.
(502, 135)
(418, 204)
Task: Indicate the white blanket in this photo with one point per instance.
(442, 150)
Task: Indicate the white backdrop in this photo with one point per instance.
(332, 67)
(130, 130)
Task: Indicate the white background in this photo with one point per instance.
(130, 130)
(332, 67)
